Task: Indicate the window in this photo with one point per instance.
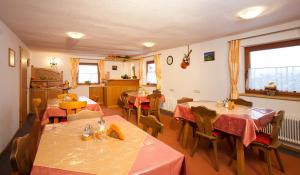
(88, 72)
(150, 73)
(276, 62)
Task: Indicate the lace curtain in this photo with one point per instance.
(285, 78)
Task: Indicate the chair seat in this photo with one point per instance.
(217, 133)
(145, 107)
(129, 106)
(263, 138)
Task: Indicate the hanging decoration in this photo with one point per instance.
(186, 59)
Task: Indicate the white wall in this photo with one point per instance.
(9, 93)
(211, 78)
(42, 58)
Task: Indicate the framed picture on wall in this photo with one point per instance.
(114, 67)
(209, 56)
(11, 58)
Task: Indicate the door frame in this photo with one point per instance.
(21, 122)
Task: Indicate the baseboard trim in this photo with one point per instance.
(290, 147)
(9, 143)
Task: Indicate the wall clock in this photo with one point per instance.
(169, 60)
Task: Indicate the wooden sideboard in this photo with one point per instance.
(45, 83)
(97, 91)
(114, 88)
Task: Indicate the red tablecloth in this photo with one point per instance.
(154, 158)
(138, 99)
(241, 123)
(53, 110)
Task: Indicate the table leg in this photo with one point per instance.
(186, 129)
(138, 115)
(240, 156)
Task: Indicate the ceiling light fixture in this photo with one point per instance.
(252, 12)
(75, 35)
(148, 44)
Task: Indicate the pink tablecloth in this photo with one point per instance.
(243, 125)
(52, 109)
(154, 158)
(137, 99)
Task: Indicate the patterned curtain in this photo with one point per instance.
(74, 71)
(157, 71)
(101, 69)
(234, 66)
(141, 63)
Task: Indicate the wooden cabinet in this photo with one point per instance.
(43, 94)
(45, 83)
(96, 91)
(114, 88)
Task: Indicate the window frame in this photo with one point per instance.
(94, 64)
(147, 63)
(268, 46)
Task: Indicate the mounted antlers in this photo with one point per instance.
(186, 59)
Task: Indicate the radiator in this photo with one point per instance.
(290, 129)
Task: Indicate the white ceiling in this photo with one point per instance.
(121, 26)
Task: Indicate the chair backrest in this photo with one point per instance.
(73, 106)
(184, 100)
(242, 102)
(24, 150)
(156, 91)
(95, 98)
(85, 114)
(123, 97)
(276, 126)
(204, 117)
(154, 101)
(36, 104)
(62, 96)
(151, 121)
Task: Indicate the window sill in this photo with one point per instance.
(149, 85)
(277, 97)
(92, 84)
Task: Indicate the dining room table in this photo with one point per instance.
(63, 151)
(138, 98)
(241, 121)
(53, 110)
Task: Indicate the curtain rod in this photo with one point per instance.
(264, 34)
(150, 55)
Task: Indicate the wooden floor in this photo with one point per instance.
(201, 162)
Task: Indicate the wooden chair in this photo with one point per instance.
(24, 150)
(127, 107)
(184, 100)
(268, 143)
(72, 107)
(95, 98)
(205, 130)
(242, 102)
(84, 114)
(62, 96)
(153, 107)
(156, 91)
(151, 121)
(36, 104)
(182, 121)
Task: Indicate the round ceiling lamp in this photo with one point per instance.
(148, 44)
(251, 12)
(75, 35)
